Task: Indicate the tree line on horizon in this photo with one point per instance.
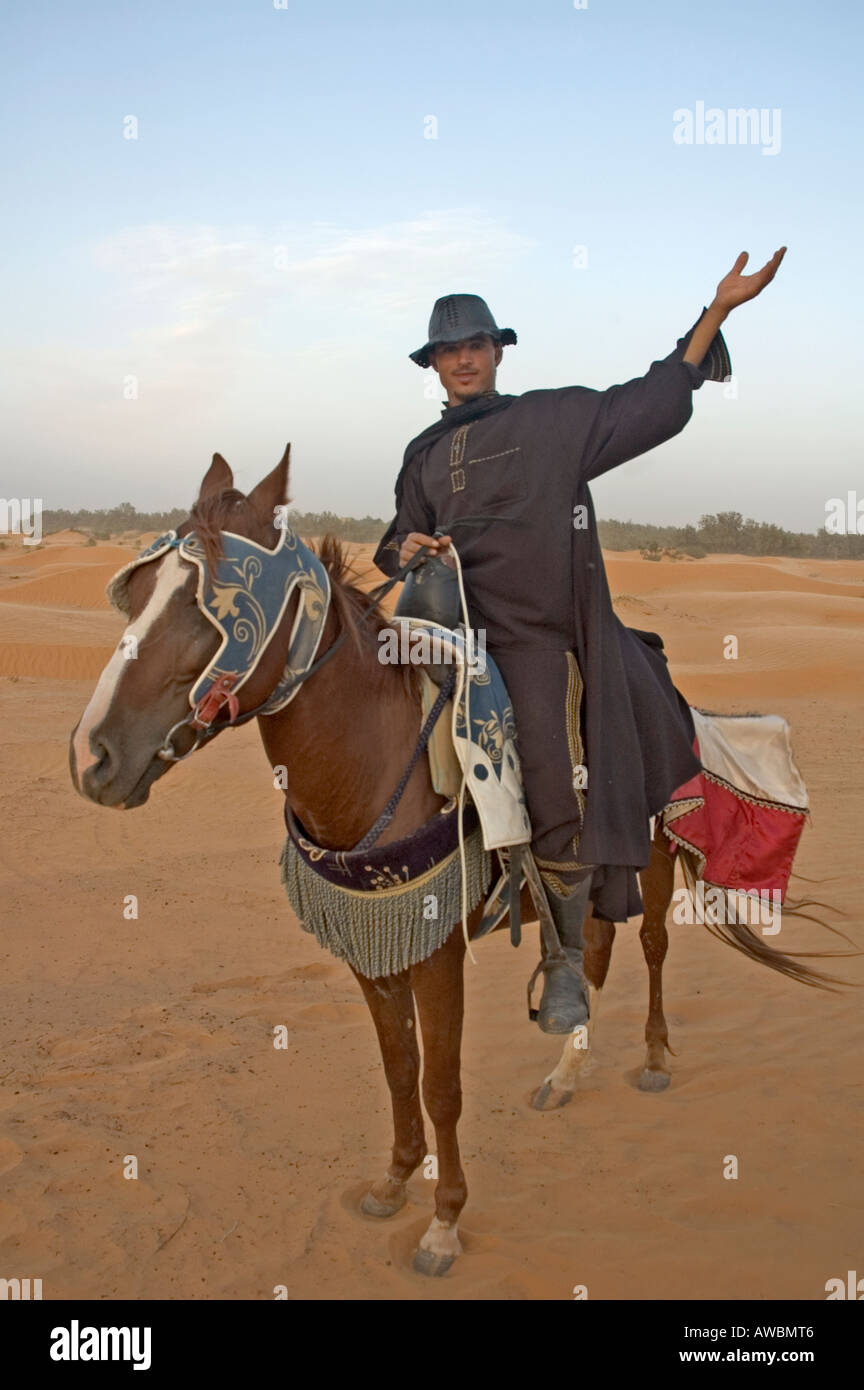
(725, 532)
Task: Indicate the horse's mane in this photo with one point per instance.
(351, 603)
(231, 511)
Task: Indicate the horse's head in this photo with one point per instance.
(212, 610)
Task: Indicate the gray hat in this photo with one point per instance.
(459, 316)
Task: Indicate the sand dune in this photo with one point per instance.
(724, 574)
(61, 662)
(84, 588)
(54, 556)
(62, 576)
(153, 1036)
(53, 538)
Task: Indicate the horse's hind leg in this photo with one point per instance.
(438, 990)
(577, 1059)
(392, 1006)
(657, 883)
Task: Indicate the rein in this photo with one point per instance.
(390, 809)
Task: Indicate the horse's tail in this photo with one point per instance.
(727, 926)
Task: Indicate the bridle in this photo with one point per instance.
(243, 562)
(216, 689)
(202, 717)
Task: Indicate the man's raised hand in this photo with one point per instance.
(735, 288)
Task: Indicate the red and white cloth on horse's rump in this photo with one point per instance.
(739, 820)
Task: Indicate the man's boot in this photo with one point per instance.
(564, 1005)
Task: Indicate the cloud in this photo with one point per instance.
(184, 281)
(236, 336)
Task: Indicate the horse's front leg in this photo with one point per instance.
(438, 990)
(392, 1006)
(577, 1058)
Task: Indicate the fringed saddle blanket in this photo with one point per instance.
(736, 826)
(739, 821)
(390, 906)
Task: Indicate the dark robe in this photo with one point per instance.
(586, 691)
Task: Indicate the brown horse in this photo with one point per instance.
(345, 739)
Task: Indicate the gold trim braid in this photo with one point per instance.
(385, 931)
(575, 687)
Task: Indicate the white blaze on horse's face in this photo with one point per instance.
(172, 577)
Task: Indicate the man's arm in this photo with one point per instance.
(610, 427)
(606, 428)
(413, 515)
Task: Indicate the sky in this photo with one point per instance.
(226, 223)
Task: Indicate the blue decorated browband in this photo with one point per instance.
(245, 600)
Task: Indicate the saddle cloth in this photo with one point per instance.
(740, 819)
(476, 726)
(738, 822)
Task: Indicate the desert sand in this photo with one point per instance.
(154, 1037)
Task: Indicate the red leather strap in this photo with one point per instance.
(218, 695)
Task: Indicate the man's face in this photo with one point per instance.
(467, 369)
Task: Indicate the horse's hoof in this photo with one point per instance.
(372, 1206)
(427, 1262)
(546, 1098)
(654, 1080)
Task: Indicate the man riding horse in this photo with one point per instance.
(603, 735)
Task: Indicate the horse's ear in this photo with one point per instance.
(218, 478)
(272, 491)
